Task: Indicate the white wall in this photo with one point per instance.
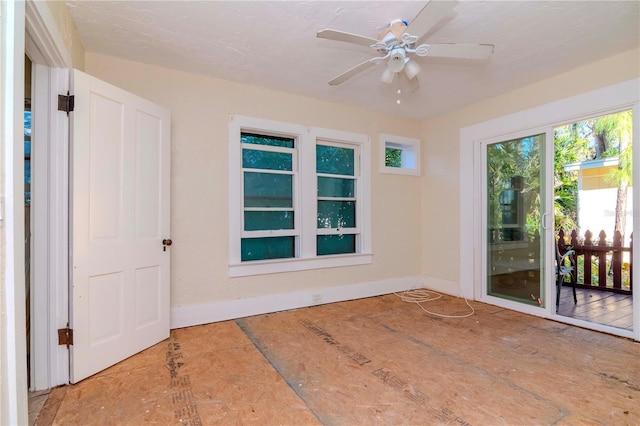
(596, 212)
(200, 108)
(441, 155)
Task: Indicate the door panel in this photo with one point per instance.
(106, 149)
(514, 208)
(120, 207)
(148, 176)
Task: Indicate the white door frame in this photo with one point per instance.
(613, 98)
(13, 366)
(49, 362)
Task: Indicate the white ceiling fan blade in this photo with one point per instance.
(461, 50)
(346, 37)
(350, 73)
(429, 16)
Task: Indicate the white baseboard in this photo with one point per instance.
(187, 316)
(452, 288)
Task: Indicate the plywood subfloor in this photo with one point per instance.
(370, 361)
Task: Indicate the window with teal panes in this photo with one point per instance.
(269, 166)
(256, 139)
(260, 220)
(267, 248)
(336, 214)
(257, 159)
(299, 197)
(336, 187)
(268, 190)
(335, 160)
(336, 244)
(337, 181)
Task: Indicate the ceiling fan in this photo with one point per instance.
(399, 41)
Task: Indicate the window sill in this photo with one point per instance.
(291, 265)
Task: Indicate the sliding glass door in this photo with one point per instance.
(514, 213)
(594, 215)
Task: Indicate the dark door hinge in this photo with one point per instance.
(65, 336)
(66, 103)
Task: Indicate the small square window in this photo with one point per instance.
(399, 155)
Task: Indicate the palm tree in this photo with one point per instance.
(612, 133)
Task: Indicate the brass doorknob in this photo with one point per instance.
(167, 242)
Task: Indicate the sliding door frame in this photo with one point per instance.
(611, 99)
(546, 232)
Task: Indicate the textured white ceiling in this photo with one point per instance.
(274, 44)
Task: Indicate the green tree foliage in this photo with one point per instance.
(393, 157)
(506, 160)
(616, 129)
(609, 133)
(595, 138)
(569, 147)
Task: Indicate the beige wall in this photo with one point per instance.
(68, 31)
(429, 205)
(200, 109)
(441, 137)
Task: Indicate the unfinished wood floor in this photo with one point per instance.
(369, 361)
(596, 306)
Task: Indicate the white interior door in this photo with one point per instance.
(120, 214)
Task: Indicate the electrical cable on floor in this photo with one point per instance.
(422, 295)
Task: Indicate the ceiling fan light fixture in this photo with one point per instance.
(398, 45)
(396, 60)
(412, 69)
(387, 76)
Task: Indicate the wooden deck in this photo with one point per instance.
(599, 307)
(376, 361)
